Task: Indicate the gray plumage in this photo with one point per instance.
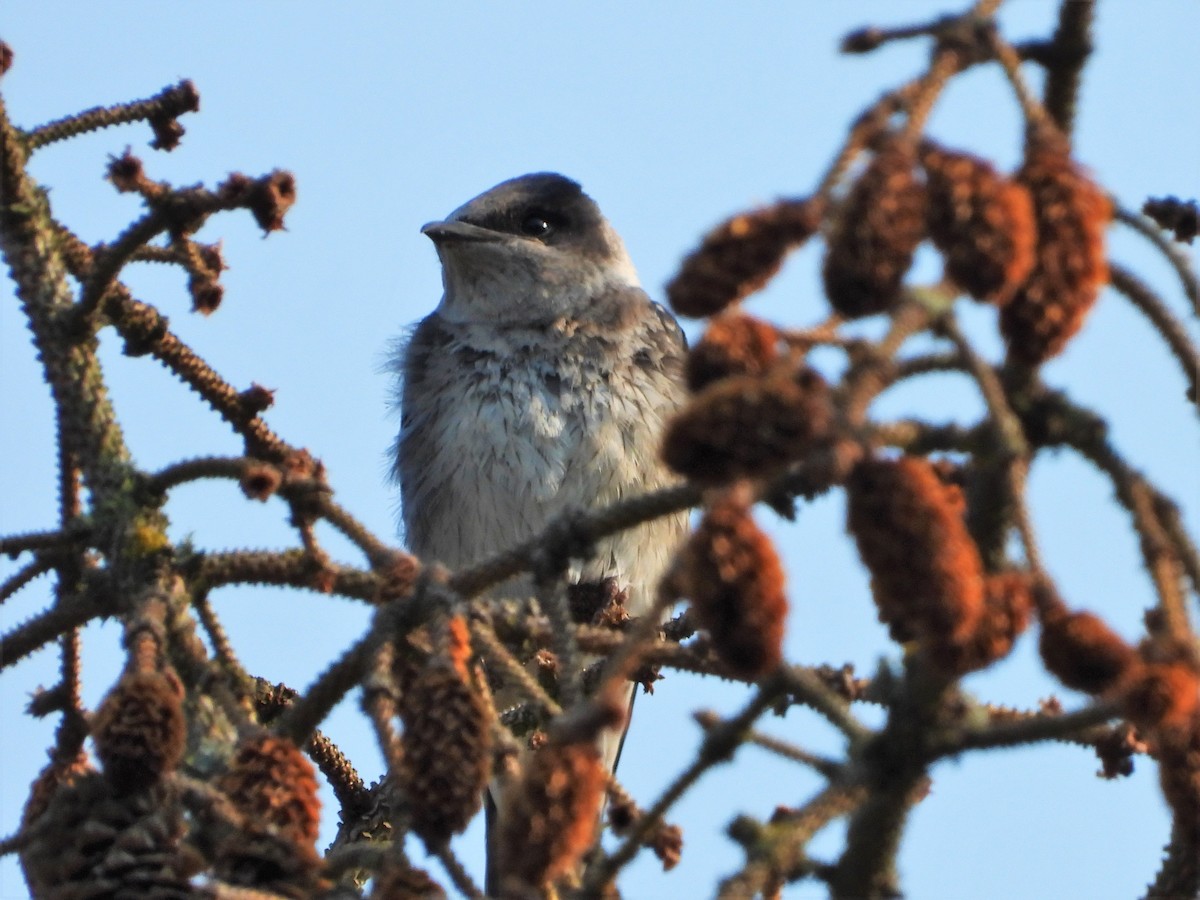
(540, 384)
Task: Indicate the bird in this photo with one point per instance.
(538, 386)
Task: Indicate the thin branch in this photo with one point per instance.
(63, 539)
(1143, 297)
(718, 746)
(778, 850)
(45, 627)
(509, 668)
(1068, 52)
(827, 767)
(188, 470)
(285, 568)
(168, 103)
(1175, 255)
(378, 553)
(1038, 727)
(23, 576)
(457, 871)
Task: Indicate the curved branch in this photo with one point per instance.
(1163, 321)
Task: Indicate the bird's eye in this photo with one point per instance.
(535, 225)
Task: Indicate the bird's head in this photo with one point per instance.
(529, 251)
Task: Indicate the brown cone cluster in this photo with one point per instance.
(734, 344)
(447, 742)
(90, 841)
(271, 783)
(731, 573)
(1163, 696)
(1082, 652)
(749, 425)
(1070, 268)
(981, 221)
(926, 573)
(740, 256)
(139, 730)
(875, 234)
(1007, 606)
(550, 815)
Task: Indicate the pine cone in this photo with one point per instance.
(91, 842)
(447, 741)
(740, 256)
(926, 574)
(1163, 697)
(272, 783)
(1082, 652)
(551, 815)
(734, 344)
(747, 425)
(875, 234)
(1070, 267)
(139, 730)
(1007, 605)
(730, 571)
(982, 222)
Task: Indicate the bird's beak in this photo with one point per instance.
(446, 232)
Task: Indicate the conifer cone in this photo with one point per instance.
(271, 782)
(91, 841)
(875, 234)
(730, 571)
(749, 425)
(447, 742)
(1008, 603)
(926, 573)
(139, 730)
(740, 256)
(550, 815)
(734, 344)
(1082, 652)
(981, 221)
(273, 786)
(1163, 696)
(1070, 265)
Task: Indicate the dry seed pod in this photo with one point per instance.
(1008, 603)
(1181, 217)
(1163, 696)
(447, 749)
(550, 815)
(139, 730)
(272, 784)
(91, 842)
(260, 480)
(734, 344)
(1082, 652)
(746, 425)
(875, 234)
(926, 574)
(57, 775)
(981, 221)
(740, 256)
(730, 571)
(1070, 266)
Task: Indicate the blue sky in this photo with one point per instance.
(672, 116)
